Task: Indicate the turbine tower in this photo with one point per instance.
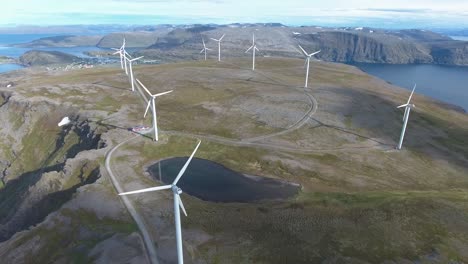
(408, 106)
(177, 203)
(152, 103)
(219, 46)
(253, 48)
(308, 56)
(130, 62)
(204, 48)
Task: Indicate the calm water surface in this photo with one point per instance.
(445, 83)
(211, 181)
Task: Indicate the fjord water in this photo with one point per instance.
(211, 181)
(8, 39)
(445, 83)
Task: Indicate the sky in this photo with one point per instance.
(376, 13)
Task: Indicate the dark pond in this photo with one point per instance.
(210, 181)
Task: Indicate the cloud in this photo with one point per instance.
(399, 10)
(415, 13)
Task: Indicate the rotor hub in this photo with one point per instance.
(176, 189)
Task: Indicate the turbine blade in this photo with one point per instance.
(402, 106)
(203, 40)
(147, 107)
(312, 54)
(305, 53)
(249, 49)
(163, 93)
(202, 51)
(148, 190)
(144, 87)
(256, 48)
(137, 58)
(117, 52)
(181, 172)
(181, 204)
(214, 39)
(409, 99)
(222, 37)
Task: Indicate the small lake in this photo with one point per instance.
(445, 83)
(211, 181)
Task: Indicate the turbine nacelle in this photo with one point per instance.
(219, 40)
(307, 54)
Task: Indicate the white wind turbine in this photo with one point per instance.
(130, 62)
(123, 56)
(407, 107)
(219, 46)
(152, 103)
(308, 56)
(253, 48)
(177, 203)
(204, 48)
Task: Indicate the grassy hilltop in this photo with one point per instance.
(361, 201)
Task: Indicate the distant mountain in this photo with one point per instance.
(62, 41)
(171, 43)
(141, 39)
(39, 58)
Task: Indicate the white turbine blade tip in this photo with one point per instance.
(181, 172)
(159, 94)
(147, 108)
(147, 190)
(312, 54)
(305, 53)
(222, 37)
(137, 58)
(144, 87)
(411, 95)
(181, 204)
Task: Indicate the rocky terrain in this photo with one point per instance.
(39, 58)
(175, 43)
(360, 200)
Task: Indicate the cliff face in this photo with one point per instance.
(450, 53)
(38, 58)
(353, 47)
(40, 170)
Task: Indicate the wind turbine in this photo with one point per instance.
(130, 62)
(123, 56)
(407, 107)
(308, 56)
(152, 103)
(253, 48)
(204, 48)
(177, 203)
(219, 46)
